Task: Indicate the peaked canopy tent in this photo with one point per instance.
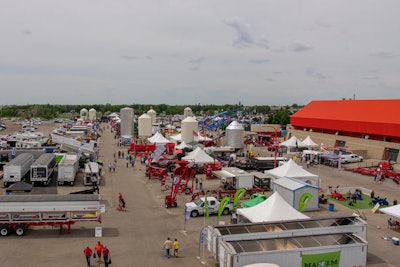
(198, 156)
(176, 138)
(275, 208)
(309, 143)
(292, 144)
(158, 138)
(291, 169)
(183, 145)
(392, 211)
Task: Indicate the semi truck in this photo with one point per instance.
(20, 212)
(67, 169)
(17, 168)
(42, 169)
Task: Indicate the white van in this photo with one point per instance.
(351, 158)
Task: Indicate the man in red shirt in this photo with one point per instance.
(98, 249)
(88, 253)
(106, 256)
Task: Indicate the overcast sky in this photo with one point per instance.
(263, 52)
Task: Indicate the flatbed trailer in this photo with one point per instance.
(19, 212)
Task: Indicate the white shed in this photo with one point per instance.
(300, 195)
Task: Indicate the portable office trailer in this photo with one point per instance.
(67, 169)
(92, 174)
(342, 249)
(262, 180)
(17, 168)
(315, 226)
(42, 169)
(300, 195)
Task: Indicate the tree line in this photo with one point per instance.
(275, 115)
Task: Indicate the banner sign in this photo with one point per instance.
(330, 259)
(238, 195)
(304, 199)
(225, 201)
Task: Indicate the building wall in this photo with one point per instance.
(369, 149)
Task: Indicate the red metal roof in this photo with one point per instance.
(369, 117)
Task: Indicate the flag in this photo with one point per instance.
(324, 147)
(225, 201)
(238, 195)
(206, 210)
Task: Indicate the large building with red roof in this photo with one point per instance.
(369, 125)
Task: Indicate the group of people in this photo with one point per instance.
(169, 245)
(99, 251)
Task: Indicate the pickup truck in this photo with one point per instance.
(196, 207)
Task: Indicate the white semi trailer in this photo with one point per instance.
(19, 212)
(17, 168)
(67, 169)
(43, 168)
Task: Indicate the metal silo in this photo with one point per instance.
(83, 114)
(92, 114)
(152, 113)
(187, 112)
(126, 116)
(144, 126)
(235, 135)
(188, 125)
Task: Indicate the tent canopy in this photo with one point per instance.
(158, 138)
(290, 169)
(392, 211)
(309, 143)
(198, 156)
(293, 142)
(275, 208)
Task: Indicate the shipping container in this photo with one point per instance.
(17, 168)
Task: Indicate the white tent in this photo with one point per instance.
(158, 138)
(182, 145)
(291, 169)
(293, 142)
(199, 156)
(176, 138)
(309, 143)
(275, 208)
(392, 211)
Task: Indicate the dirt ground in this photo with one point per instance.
(135, 237)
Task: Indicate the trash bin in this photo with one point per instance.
(331, 207)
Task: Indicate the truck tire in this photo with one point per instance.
(194, 213)
(5, 230)
(5, 184)
(20, 229)
(225, 212)
(171, 168)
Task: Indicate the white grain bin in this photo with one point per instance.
(92, 114)
(152, 113)
(187, 112)
(84, 114)
(235, 135)
(144, 126)
(126, 115)
(188, 125)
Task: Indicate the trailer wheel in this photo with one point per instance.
(5, 184)
(72, 183)
(166, 187)
(20, 229)
(194, 213)
(5, 230)
(171, 168)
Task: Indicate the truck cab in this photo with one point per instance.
(197, 207)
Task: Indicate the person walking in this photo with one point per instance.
(106, 256)
(110, 167)
(201, 184)
(98, 248)
(176, 248)
(88, 253)
(168, 245)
